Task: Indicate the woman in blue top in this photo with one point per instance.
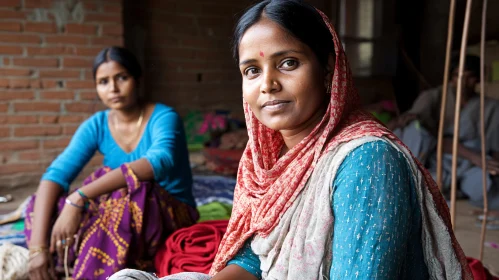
(323, 190)
(124, 211)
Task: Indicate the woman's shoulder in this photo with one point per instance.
(378, 153)
(96, 120)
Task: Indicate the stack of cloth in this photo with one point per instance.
(191, 249)
(214, 196)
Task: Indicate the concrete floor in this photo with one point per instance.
(467, 231)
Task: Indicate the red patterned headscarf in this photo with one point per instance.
(268, 185)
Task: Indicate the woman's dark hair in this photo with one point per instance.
(300, 19)
(121, 55)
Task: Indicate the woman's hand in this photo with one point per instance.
(41, 267)
(66, 226)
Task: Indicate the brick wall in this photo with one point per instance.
(46, 88)
(185, 48)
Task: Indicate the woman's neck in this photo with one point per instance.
(294, 136)
(128, 115)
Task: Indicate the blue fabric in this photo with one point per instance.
(377, 227)
(248, 260)
(163, 144)
(212, 188)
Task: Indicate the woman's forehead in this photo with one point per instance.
(266, 37)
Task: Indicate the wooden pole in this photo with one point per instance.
(450, 31)
(482, 128)
(455, 140)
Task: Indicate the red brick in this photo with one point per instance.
(18, 145)
(66, 39)
(10, 3)
(20, 83)
(12, 50)
(37, 107)
(85, 29)
(38, 130)
(50, 119)
(36, 84)
(10, 14)
(70, 129)
(14, 168)
(59, 74)
(112, 30)
(6, 61)
(107, 41)
(72, 62)
(20, 38)
(89, 75)
(71, 119)
(16, 95)
(36, 62)
(100, 18)
(15, 72)
(80, 107)
(112, 9)
(89, 6)
(49, 50)
(4, 107)
(33, 155)
(56, 143)
(90, 95)
(33, 4)
(80, 84)
(40, 27)
(10, 26)
(66, 95)
(48, 84)
(87, 51)
(18, 119)
(4, 132)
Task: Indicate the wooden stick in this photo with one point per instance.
(440, 138)
(455, 140)
(482, 128)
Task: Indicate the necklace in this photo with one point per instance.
(139, 124)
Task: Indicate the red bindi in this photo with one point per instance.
(261, 54)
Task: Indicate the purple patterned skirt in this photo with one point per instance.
(122, 229)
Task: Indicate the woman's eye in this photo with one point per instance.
(289, 64)
(103, 82)
(251, 72)
(123, 78)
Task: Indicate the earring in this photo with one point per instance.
(329, 87)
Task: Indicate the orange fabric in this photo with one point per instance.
(268, 185)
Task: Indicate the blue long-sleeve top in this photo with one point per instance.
(377, 225)
(163, 144)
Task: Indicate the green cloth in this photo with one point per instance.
(214, 211)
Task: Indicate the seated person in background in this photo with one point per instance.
(418, 129)
(126, 209)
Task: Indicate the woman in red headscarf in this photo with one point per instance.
(323, 190)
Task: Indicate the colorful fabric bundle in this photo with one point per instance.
(190, 249)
